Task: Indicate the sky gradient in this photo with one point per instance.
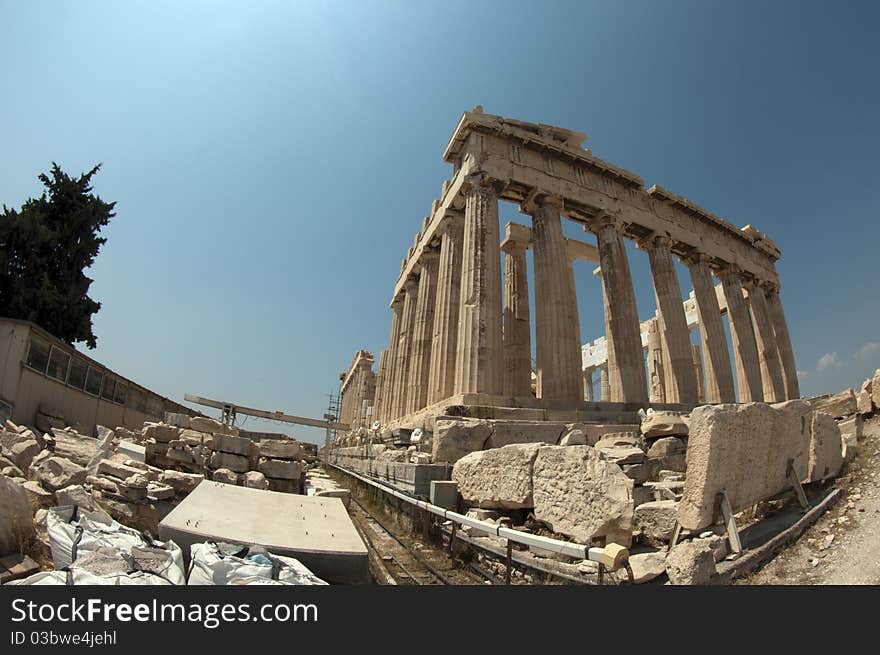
(271, 162)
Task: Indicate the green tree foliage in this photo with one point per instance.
(44, 249)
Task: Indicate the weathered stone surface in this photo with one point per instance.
(620, 439)
(16, 523)
(8, 438)
(691, 563)
(512, 432)
(225, 475)
(209, 425)
(621, 454)
(850, 435)
(497, 478)
(656, 521)
(23, 453)
(278, 449)
(235, 463)
(57, 472)
(78, 448)
(642, 494)
(864, 398)
(45, 423)
(595, 432)
(160, 432)
(455, 438)
(875, 388)
(280, 469)
(666, 446)
(195, 438)
(255, 480)
(660, 424)
(582, 496)
(837, 405)
(229, 444)
(283, 486)
(38, 497)
(745, 450)
(143, 516)
(177, 419)
(181, 482)
(117, 469)
(159, 491)
(76, 494)
(646, 566)
(826, 450)
(574, 437)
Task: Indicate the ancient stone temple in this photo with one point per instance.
(460, 341)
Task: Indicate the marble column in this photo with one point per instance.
(423, 333)
(656, 368)
(588, 383)
(698, 372)
(380, 386)
(628, 371)
(480, 351)
(768, 352)
(557, 331)
(716, 358)
(391, 361)
(745, 352)
(679, 382)
(441, 378)
(517, 327)
(783, 343)
(404, 347)
(604, 384)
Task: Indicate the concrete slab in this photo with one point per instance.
(316, 531)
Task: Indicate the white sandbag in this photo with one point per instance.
(79, 577)
(72, 530)
(223, 564)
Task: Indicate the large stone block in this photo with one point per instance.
(16, 522)
(280, 469)
(455, 438)
(837, 405)
(864, 398)
(161, 433)
(497, 478)
(209, 425)
(278, 449)
(235, 463)
(850, 435)
(23, 453)
(255, 480)
(655, 521)
(57, 472)
(177, 419)
(666, 446)
(78, 448)
(513, 432)
(745, 450)
(39, 498)
(826, 451)
(229, 444)
(582, 496)
(661, 424)
(691, 563)
(181, 482)
(875, 389)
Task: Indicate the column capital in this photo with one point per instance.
(512, 246)
(536, 199)
(411, 282)
(729, 271)
(604, 220)
(481, 183)
(696, 258)
(655, 241)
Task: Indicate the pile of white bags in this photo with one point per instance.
(224, 564)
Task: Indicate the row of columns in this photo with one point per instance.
(358, 391)
(457, 329)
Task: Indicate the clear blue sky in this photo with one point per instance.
(271, 162)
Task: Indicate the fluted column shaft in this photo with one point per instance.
(604, 384)
(557, 331)
(698, 372)
(588, 383)
(679, 380)
(380, 385)
(517, 328)
(716, 358)
(404, 346)
(423, 333)
(768, 352)
(441, 378)
(391, 362)
(783, 343)
(480, 351)
(745, 352)
(628, 371)
(656, 364)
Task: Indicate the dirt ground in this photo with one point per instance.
(843, 546)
